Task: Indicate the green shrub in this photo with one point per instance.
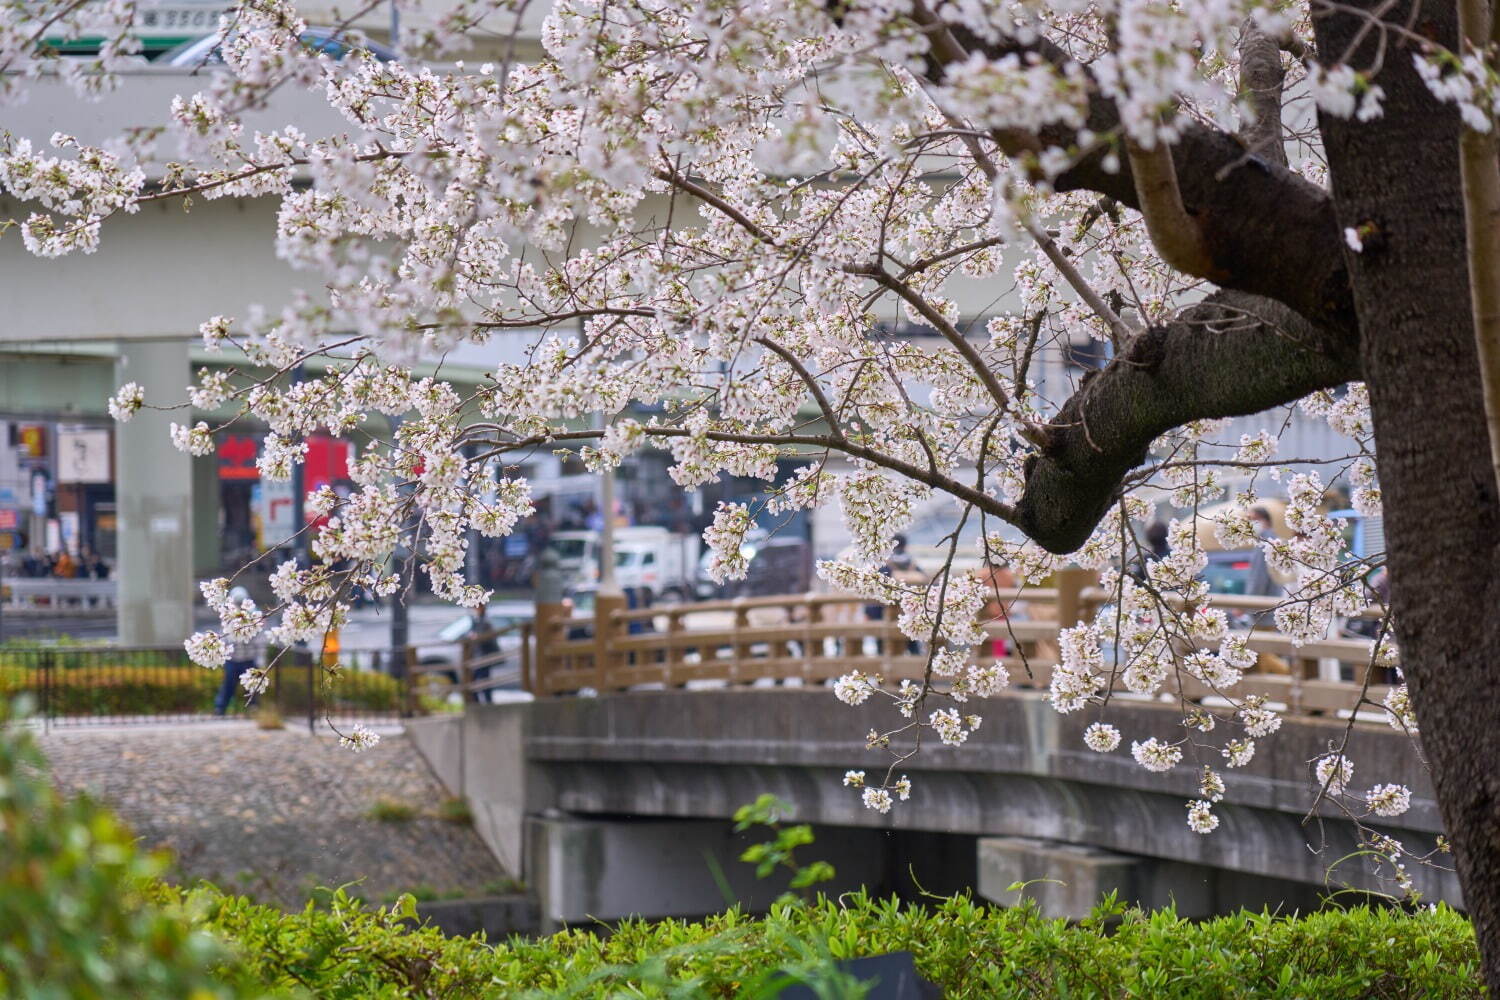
(343, 949)
(75, 921)
(117, 689)
(98, 685)
(455, 809)
(84, 916)
(388, 810)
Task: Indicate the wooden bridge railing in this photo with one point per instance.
(813, 638)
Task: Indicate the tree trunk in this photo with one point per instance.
(1397, 179)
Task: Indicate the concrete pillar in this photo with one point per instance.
(206, 561)
(154, 496)
(1066, 880)
(585, 869)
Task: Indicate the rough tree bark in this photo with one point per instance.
(1399, 178)
(1233, 354)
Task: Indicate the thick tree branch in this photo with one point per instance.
(1269, 231)
(1174, 231)
(1230, 355)
(1261, 81)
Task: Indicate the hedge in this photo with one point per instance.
(346, 950)
(106, 688)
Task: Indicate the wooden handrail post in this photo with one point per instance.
(526, 679)
(739, 650)
(605, 630)
(549, 616)
(672, 654)
(1071, 583)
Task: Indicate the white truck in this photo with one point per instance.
(659, 564)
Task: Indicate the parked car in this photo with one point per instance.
(205, 51)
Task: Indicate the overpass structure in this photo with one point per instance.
(610, 787)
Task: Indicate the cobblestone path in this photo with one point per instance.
(275, 814)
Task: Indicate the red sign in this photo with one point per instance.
(237, 456)
(327, 459)
(327, 462)
(9, 519)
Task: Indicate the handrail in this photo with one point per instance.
(813, 639)
(61, 594)
(1228, 602)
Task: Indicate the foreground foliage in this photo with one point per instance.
(970, 950)
(84, 915)
(75, 923)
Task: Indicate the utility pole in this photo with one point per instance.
(299, 495)
(400, 623)
(608, 586)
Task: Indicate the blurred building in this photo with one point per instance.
(75, 329)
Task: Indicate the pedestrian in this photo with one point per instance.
(242, 657)
(1259, 581)
(998, 582)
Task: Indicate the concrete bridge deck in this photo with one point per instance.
(535, 769)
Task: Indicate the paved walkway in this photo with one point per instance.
(275, 814)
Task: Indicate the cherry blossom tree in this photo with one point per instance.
(705, 210)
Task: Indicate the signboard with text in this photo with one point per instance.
(83, 455)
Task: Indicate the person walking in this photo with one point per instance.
(1259, 581)
(998, 582)
(242, 656)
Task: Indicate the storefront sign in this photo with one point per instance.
(82, 455)
(274, 507)
(31, 440)
(237, 456)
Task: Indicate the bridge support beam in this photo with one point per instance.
(1068, 880)
(588, 869)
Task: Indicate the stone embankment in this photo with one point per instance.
(276, 814)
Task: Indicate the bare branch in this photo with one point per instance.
(816, 390)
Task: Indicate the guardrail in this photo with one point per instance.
(815, 638)
(72, 685)
(499, 658)
(47, 596)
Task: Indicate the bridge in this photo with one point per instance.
(610, 787)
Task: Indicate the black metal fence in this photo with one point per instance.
(115, 684)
